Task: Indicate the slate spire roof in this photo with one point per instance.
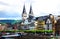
(24, 10)
(30, 12)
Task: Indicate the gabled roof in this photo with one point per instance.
(42, 18)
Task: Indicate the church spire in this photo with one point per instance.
(24, 14)
(24, 10)
(31, 12)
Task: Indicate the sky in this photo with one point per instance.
(14, 8)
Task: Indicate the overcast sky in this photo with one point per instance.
(13, 8)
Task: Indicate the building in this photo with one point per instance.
(47, 22)
(28, 22)
(57, 28)
(39, 25)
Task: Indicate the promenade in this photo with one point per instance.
(30, 36)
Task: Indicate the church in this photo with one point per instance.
(27, 21)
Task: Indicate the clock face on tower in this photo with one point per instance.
(24, 16)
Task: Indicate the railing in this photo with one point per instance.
(40, 37)
(47, 37)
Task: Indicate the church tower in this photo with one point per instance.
(30, 18)
(24, 14)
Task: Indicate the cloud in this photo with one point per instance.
(2, 3)
(46, 6)
(40, 7)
